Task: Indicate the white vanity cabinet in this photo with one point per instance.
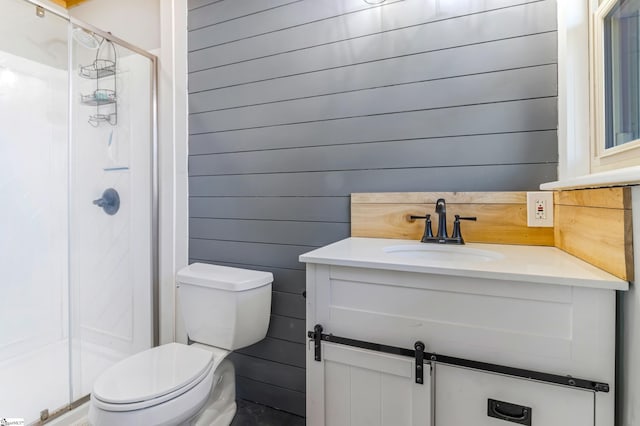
(530, 309)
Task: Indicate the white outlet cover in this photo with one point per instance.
(547, 198)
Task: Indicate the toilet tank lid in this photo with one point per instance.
(223, 277)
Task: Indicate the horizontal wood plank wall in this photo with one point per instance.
(596, 226)
(502, 216)
(296, 104)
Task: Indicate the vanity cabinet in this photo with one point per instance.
(560, 324)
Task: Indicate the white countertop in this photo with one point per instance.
(547, 265)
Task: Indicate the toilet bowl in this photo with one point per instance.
(173, 384)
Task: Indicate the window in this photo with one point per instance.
(616, 91)
(585, 158)
(621, 75)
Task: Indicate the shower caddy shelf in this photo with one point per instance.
(99, 97)
(98, 70)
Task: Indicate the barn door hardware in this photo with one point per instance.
(420, 355)
(317, 336)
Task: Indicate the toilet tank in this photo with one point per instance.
(225, 307)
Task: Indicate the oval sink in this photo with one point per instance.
(437, 253)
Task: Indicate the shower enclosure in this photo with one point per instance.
(78, 207)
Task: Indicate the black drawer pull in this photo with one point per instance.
(510, 412)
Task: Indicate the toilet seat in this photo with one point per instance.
(174, 411)
(152, 377)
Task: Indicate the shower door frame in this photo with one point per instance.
(155, 290)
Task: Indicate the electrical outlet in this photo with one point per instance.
(540, 209)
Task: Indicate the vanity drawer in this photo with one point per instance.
(470, 397)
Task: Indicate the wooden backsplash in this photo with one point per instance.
(591, 224)
(596, 226)
(502, 216)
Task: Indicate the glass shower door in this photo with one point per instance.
(111, 206)
(34, 337)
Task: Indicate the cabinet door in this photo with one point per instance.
(470, 397)
(357, 387)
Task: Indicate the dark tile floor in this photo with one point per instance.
(252, 414)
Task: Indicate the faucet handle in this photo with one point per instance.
(458, 217)
(457, 234)
(428, 233)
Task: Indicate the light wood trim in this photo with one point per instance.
(612, 198)
(502, 216)
(431, 197)
(600, 236)
(68, 3)
(497, 223)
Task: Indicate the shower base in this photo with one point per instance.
(39, 380)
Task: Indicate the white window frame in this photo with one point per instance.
(576, 120)
(621, 156)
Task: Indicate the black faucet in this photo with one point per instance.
(441, 210)
(442, 237)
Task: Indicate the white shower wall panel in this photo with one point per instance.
(33, 217)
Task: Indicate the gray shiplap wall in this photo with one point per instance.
(296, 104)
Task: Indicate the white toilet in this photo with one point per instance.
(223, 309)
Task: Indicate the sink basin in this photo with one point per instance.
(442, 253)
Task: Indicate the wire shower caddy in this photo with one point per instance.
(104, 95)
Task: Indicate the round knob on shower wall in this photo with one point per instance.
(110, 201)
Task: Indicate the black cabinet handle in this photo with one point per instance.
(513, 413)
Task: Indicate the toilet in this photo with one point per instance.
(175, 384)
